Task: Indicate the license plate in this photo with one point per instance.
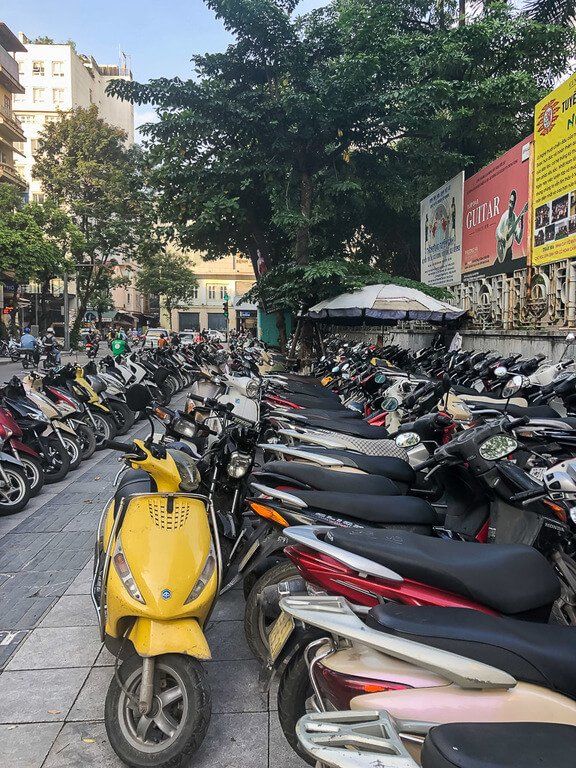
(279, 634)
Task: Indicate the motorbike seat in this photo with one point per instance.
(499, 745)
(542, 654)
(517, 411)
(316, 414)
(323, 479)
(133, 481)
(389, 466)
(509, 578)
(354, 428)
(380, 510)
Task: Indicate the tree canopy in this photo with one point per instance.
(309, 142)
(169, 275)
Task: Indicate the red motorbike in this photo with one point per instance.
(11, 434)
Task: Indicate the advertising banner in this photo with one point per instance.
(495, 232)
(441, 234)
(554, 176)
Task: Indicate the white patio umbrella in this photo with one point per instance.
(376, 304)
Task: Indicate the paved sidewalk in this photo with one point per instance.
(55, 673)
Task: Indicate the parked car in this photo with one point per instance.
(152, 336)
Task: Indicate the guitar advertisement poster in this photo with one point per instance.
(554, 185)
(441, 234)
(495, 231)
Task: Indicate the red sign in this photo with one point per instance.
(495, 237)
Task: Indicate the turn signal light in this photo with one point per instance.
(341, 689)
(559, 511)
(269, 513)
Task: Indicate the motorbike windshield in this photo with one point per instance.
(189, 474)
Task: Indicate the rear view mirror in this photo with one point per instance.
(138, 398)
(513, 386)
(389, 404)
(380, 378)
(570, 338)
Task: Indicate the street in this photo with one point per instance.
(55, 672)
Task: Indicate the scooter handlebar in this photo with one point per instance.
(520, 422)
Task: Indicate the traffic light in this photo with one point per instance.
(225, 308)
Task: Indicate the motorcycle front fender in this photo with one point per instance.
(100, 407)
(21, 447)
(63, 427)
(6, 458)
(153, 638)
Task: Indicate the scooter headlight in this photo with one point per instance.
(239, 464)
(252, 388)
(205, 576)
(124, 572)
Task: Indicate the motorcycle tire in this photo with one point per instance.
(16, 495)
(166, 390)
(172, 382)
(105, 429)
(294, 690)
(34, 472)
(191, 712)
(256, 623)
(57, 465)
(123, 416)
(73, 448)
(86, 439)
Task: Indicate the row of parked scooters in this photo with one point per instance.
(406, 552)
(52, 420)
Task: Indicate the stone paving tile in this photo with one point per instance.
(82, 584)
(18, 549)
(90, 702)
(227, 641)
(55, 648)
(105, 658)
(230, 607)
(26, 746)
(37, 696)
(82, 745)
(281, 753)
(71, 611)
(235, 686)
(234, 741)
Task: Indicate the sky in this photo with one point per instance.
(159, 36)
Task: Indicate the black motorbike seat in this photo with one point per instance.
(389, 466)
(133, 481)
(353, 428)
(542, 654)
(509, 578)
(500, 745)
(381, 510)
(517, 411)
(322, 479)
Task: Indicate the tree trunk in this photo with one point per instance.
(461, 13)
(43, 315)
(281, 326)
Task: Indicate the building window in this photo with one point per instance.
(26, 118)
(34, 146)
(3, 157)
(38, 95)
(21, 68)
(38, 68)
(38, 197)
(58, 69)
(7, 103)
(58, 95)
(222, 291)
(211, 292)
(194, 293)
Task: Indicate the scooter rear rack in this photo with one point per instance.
(363, 739)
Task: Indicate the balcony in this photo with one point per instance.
(9, 77)
(10, 128)
(8, 175)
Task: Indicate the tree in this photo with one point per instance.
(169, 276)
(311, 140)
(34, 240)
(86, 169)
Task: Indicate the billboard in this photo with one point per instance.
(554, 176)
(441, 234)
(495, 231)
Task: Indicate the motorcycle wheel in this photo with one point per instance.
(257, 623)
(86, 439)
(172, 383)
(166, 390)
(15, 496)
(73, 448)
(34, 473)
(176, 726)
(294, 690)
(124, 416)
(57, 465)
(105, 429)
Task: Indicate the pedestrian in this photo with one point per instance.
(162, 341)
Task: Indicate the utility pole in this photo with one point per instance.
(66, 315)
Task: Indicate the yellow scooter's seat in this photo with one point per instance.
(133, 481)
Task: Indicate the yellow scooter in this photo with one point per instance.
(157, 574)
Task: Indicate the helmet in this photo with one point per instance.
(50, 330)
(27, 329)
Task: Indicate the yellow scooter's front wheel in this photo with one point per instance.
(176, 724)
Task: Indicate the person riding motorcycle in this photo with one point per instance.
(29, 342)
(50, 345)
(119, 345)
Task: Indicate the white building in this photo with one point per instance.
(57, 79)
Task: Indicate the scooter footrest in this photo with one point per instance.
(362, 739)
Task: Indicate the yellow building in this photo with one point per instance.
(230, 276)
(10, 129)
